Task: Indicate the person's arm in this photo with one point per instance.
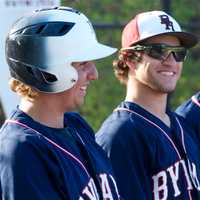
(27, 172)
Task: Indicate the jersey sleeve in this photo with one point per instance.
(190, 111)
(26, 172)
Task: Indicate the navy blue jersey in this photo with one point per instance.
(190, 111)
(151, 160)
(42, 163)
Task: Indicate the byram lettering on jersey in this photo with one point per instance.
(90, 190)
(171, 176)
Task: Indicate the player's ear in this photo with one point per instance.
(131, 65)
(133, 60)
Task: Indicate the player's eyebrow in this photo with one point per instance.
(80, 63)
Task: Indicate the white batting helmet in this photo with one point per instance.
(41, 47)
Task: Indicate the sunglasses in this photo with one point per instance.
(161, 51)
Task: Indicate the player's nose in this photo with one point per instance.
(169, 59)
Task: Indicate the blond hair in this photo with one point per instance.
(22, 89)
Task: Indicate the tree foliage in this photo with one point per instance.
(106, 93)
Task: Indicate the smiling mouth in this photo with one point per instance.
(167, 73)
(84, 88)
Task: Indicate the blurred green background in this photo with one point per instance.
(109, 17)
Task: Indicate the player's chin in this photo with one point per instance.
(80, 102)
(168, 90)
(169, 86)
(165, 88)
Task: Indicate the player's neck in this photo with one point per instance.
(43, 112)
(151, 101)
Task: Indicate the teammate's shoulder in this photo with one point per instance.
(21, 130)
(114, 130)
(189, 111)
(18, 126)
(120, 116)
(19, 141)
(197, 95)
(190, 107)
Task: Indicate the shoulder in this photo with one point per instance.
(122, 124)
(19, 137)
(20, 148)
(18, 140)
(25, 161)
(190, 110)
(191, 106)
(122, 130)
(117, 123)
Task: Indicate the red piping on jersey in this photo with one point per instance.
(165, 134)
(195, 101)
(182, 135)
(51, 142)
(174, 146)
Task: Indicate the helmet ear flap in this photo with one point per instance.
(51, 81)
(43, 76)
(67, 77)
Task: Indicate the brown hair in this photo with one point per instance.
(22, 89)
(120, 66)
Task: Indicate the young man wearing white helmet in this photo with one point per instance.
(153, 152)
(45, 155)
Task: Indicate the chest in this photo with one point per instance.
(83, 170)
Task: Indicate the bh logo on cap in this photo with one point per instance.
(165, 20)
